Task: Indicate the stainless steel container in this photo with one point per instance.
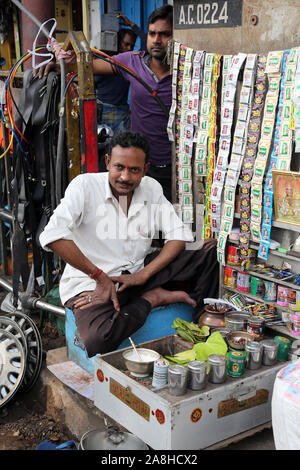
(270, 349)
(254, 353)
(236, 321)
(177, 379)
(217, 368)
(197, 375)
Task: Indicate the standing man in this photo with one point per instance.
(103, 228)
(146, 114)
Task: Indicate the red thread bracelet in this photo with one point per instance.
(96, 274)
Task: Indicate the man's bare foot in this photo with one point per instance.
(159, 296)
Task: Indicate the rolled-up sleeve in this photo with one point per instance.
(67, 215)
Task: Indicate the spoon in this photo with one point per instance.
(137, 353)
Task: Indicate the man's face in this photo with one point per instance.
(126, 167)
(159, 34)
(127, 43)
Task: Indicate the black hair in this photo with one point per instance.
(128, 139)
(123, 32)
(162, 13)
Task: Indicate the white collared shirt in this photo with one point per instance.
(92, 217)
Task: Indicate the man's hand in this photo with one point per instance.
(126, 21)
(105, 290)
(45, 69)
(209, 243)
(130, 280)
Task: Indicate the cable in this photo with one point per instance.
(6, 91)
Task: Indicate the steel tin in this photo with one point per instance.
(270, 349)
(254, 353)
(217, 368)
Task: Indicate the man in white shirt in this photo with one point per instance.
(103, 228)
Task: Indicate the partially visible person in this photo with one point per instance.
(147, 116)
(103, 228)
(112, 92)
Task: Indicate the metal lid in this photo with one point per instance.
(216, 359)
(237, 316)
(196, 365)
(177, 369)
(253, 346)
(269, 343)
(256, 320)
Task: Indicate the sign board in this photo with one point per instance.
(207, 14)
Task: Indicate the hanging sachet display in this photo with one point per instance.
(226, 122)
(256, 116)
(282, 144)
(273, 71)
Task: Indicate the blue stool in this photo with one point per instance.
(158, 324)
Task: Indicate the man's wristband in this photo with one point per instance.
(96, 274)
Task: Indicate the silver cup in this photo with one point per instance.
(197, 375)
(270, 349)
(217, 368)
(254, 353)
(177, 379)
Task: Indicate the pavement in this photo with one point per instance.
(79, 414)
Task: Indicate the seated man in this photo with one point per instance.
(103, 228)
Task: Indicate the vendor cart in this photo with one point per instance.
(195, 420)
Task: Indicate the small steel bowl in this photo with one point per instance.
(238, 339)
(140, 368)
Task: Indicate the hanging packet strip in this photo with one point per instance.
(211, 145)
(296, 99)
(170, 129)
(226, 122)
(247, 171)
(273, 71)
(203, 130)
(180, 150)
(186, 135)
(237, 155)
(225, 68)
(281, 153)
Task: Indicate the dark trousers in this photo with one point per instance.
(164, 176)
(102, 329)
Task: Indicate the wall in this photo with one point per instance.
(277, 27)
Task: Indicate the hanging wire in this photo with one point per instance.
(7, 92)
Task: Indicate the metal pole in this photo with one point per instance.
(31, 302)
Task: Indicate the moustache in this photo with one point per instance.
(129, 185)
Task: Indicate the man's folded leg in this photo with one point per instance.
(102, 329)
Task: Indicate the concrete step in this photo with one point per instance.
(65, 405)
